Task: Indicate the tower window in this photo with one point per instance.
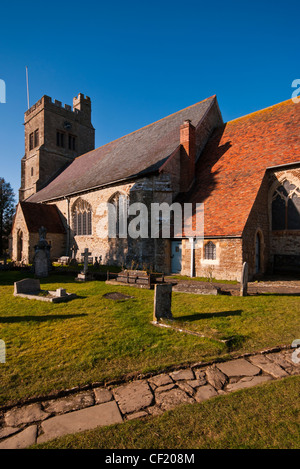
(31, 141)
(34, 139)
(31, 171)
(60, 139)
(72, 142)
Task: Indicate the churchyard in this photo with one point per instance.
(101, 338)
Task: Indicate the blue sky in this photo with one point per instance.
(141, 61)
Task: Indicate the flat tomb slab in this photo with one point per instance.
(30, 288)
(44, 295)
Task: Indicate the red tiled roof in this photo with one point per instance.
(231, 168)
(37, 215)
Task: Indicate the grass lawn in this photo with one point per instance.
(263, 417)
(51, 347)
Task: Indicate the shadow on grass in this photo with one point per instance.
(15, 319)
(235, 342)
(278, 294)
(199, 316)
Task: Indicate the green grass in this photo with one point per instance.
(51, 347)
(263, 417)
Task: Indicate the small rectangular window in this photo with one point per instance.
(36, 138)
(31, 141)
(60, 139)
(72, 145)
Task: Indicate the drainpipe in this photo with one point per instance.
(68, 227)
(192, 246)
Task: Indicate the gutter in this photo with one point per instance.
(283, 165)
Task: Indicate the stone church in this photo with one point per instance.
(246, 173)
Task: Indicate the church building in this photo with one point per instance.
(245, 172)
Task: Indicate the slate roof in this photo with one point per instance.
(231, 168)
(137, 154)
(37, 215)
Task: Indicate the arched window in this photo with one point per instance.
(82, 217)
(210, 251)
(117, 216)
(286, 207)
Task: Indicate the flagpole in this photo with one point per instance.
(27, 87)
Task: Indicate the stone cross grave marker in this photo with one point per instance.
(162, 302)
(244, 280)
(86, 255)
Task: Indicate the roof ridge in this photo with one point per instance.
(259, 111)
(148, 125)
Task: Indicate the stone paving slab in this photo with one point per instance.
(205, 392)
(160, 380)
(268, 366)
(26, 414)
(102, 395)
(80, 420)
(239, 367)
(70, 403)
(182, 374)
(215, 377)
(22, 440)
(133, 397)
(247, 382)
(170, 399)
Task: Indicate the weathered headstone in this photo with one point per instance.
(27, 285)
(244, 280)
(85, 255)
(162, 302)
(74, 249)
(41, 261)
(41, 268)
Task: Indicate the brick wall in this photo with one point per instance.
(226, 266)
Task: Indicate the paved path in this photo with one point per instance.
(39, 422)
(272, 285)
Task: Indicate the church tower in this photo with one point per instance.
(54, 136)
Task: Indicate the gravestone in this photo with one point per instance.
(30, 288)
(41, 268)
(41, 261)
(162, 302)
(27, 285)
(83, 275)
(85, 255)
(74, 249)
(244, 280)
